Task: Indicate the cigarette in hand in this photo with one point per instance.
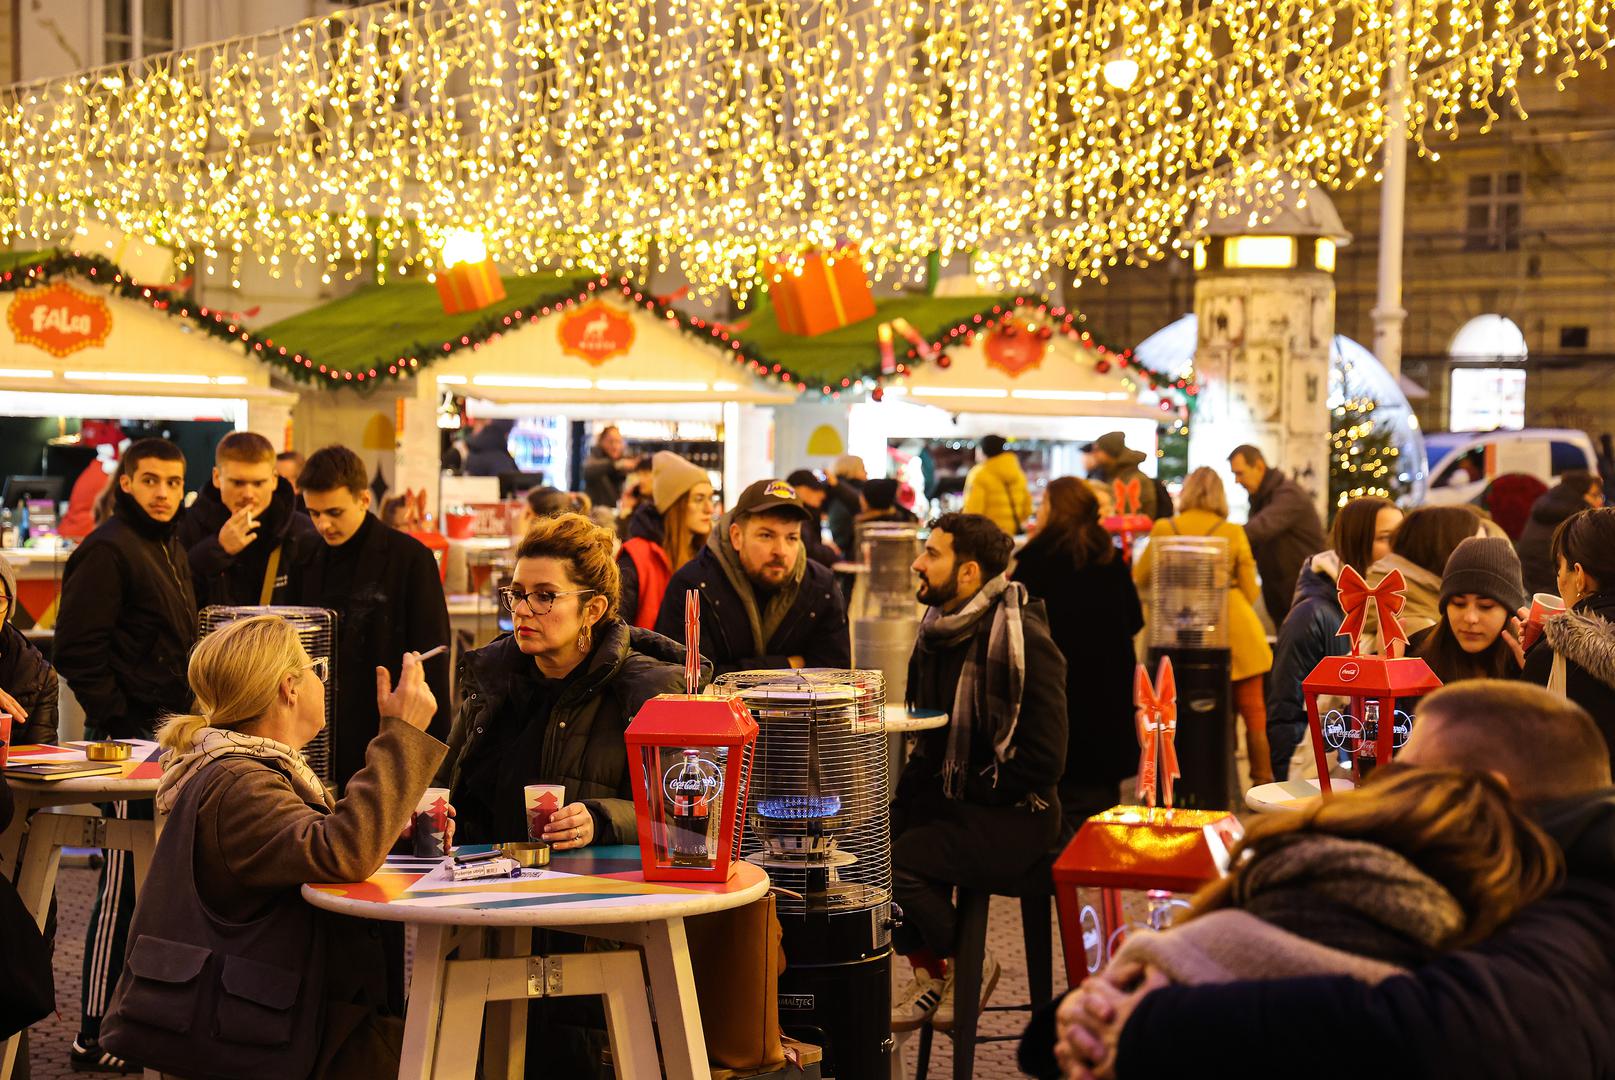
(429, 653)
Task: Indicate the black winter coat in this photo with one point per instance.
(815, 628)
(1038, 749)
(1536, 539)
(385, 588)
(1284, 532)
(583, 744)
(1533, 1000)
(841, 509)
(26, 675)
(1093, 613)
(488, 450)
(646, 523)
(126, 623)
(1306, 636)
(1586, 638)
(221, 578)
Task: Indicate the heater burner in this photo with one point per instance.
(799, 807)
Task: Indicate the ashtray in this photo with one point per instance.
(528, 855)
(106, 751)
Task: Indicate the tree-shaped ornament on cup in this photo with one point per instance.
(1372, 683)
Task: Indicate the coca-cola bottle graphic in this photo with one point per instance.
(690, 788)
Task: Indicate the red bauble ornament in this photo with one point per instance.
(877, 394)
(944, 361)
(1103, 367)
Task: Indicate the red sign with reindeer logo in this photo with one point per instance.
(1014, 346)
(59, 319)
(596, 332)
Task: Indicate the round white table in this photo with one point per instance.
(902, 720)
(486, 926)
(48, 833)
(1286, 796)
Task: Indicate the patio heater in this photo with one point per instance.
(1189, 624)
(316, 629)
(885, 615)
(817, 821)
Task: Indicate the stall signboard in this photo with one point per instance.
(1014, 346)
(59, 319)
(596, 332)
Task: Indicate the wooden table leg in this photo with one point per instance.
(504, 1046)
(678, 1012)
(459, 1033)
(47, 834)
(424, 1012)
(633, 1037)
(11, 839)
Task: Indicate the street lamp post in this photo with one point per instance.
(1388, 311)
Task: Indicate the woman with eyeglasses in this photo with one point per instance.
(549, 702)
(666, 531)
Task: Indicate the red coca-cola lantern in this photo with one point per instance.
(1127, 522)
(1371, 725)
(689, 757)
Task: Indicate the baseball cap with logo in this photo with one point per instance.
(769, 496)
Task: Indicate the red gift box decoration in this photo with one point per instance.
(823, 293)
(1371, 725)
(468, 280)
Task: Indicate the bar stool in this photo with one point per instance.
(970, 948)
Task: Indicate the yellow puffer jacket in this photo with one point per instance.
(1247, 641)
(997, 489)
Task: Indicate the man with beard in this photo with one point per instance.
(976, 806)
(124, 632)
(764, 603)
(244, 535)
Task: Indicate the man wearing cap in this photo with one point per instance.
(764, 603)
(1109, 459)
(813, 492)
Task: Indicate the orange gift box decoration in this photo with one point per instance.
(469, 286)
(824, 293)
(1133, 847)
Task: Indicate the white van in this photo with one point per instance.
(1462, 463)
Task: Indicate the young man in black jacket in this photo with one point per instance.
(1533, 1000)
(244, 535)
(977, 805)
(124, 630)
(764, 603)
(388, 596)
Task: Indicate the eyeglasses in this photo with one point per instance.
(538, 603)
(321, 666)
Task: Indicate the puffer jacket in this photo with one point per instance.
(25, 674)
(644, 526)
(997, 489)
(1307, 636)
(1585, 637)
(1536, 561)
(583, 746)
(221, 578)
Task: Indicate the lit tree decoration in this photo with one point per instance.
(610, 133)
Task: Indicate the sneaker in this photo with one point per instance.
(917, 1001)
(942, 1019)
(87, 1056)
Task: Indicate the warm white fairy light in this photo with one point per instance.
(625, 133)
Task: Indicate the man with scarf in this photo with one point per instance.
(124, 632)
(976, 806)
(764, 603)
(244, 535)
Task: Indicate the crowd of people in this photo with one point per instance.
(1421, 895)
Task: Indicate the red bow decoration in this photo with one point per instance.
(1157, 721)
(1127, 496)
(1388, 602)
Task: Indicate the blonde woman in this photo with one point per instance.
(249, 823)
(1203, 511)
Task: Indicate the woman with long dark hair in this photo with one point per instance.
(1576, 656)
(1072, 565)
(1359, 537)
(1420, 549)
(1478, 635)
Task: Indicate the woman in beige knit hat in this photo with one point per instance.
(664, 533)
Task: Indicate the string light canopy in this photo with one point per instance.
(623, 133)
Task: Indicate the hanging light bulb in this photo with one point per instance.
(1121, 73)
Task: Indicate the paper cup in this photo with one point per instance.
(1543, 605)
(542, 801)
(432, 824)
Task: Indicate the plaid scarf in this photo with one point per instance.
(991, 679)
(212, 743)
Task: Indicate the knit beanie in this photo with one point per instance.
(672, 476)
(1486, 566)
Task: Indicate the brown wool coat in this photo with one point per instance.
(258, 842)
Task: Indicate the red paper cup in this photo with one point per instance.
(432, 824)
(542, 802)
(5, 737)
(1542, 606)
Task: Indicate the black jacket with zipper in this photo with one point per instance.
(1585, 637)
(221, 578)
(583, 745)
(815, 628)
(126, 623)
